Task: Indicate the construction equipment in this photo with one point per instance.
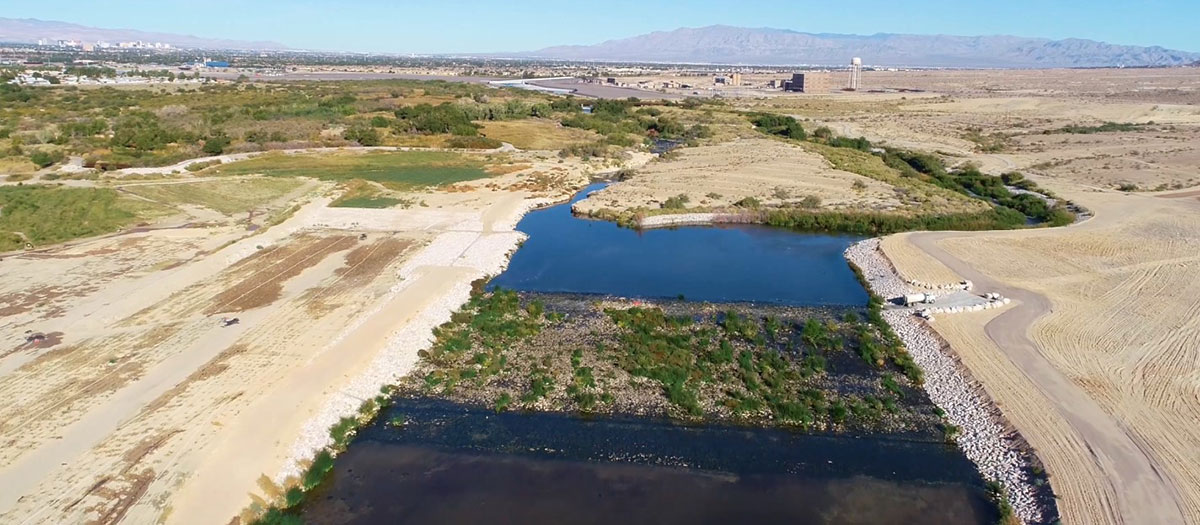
(919, 298)
(229, 321)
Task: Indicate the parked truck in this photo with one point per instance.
(919, 298)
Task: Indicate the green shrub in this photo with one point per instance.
(275, 516)
(321, 465)
(141, 131)
(780, 125)
(343, 431)
(858, 143)
(503, 401)
(216, 144)
(748, 202)
(200, 166)
(463, 142)
(878, 223)
(363, 135)
(1106, 127)
(677, 202)
(443, 118)
(294, 496)
(43, 159)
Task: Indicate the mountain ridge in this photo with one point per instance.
(29, 30)
(771, 46)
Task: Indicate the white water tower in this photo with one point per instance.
(855, 72)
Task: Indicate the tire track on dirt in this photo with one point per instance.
(1143, 493)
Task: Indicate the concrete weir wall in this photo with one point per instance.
(984, 437)
(695, 219)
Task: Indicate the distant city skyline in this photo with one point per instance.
(462, 26)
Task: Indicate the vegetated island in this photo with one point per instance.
(927, 194)
(817, 369)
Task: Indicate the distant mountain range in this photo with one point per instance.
(721, 44)
(763, 46)
(30, 30)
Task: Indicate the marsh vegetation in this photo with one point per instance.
(401, 170)
(44, 214)
(814, 369)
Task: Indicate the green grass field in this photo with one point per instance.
(541, 134)
(47, 214)
(400, 170)
(226, 196)
(365, 202)
(359, 193)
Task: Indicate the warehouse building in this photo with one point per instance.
(807, 83)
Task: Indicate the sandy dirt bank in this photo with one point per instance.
(1105, 335)
(142, 406)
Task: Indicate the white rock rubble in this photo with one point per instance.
(983, 437)
(487, 253)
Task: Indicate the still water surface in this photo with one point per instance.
(455, 464)
(743, 263)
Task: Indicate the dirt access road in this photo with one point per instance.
(1142, 494)
(1096, 364)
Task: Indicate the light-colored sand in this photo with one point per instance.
(1084, 496)
(1113, 350)
(535, 134)
(1097, 363)
(918, 266)
(720, 175)
(150, 410)
(1064, 108)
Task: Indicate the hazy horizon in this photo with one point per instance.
(380, 27)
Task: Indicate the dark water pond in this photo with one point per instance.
(453, 464)
(742, 263)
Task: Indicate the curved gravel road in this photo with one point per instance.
(1143, 494)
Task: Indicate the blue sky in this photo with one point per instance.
(456, 26)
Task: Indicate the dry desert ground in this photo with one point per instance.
(771, 171)
(1098, 364)
(142, 405)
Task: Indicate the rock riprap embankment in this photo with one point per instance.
(983, 434)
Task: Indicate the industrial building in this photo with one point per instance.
(807, 83)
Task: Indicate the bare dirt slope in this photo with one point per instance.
(1108, 331)
(141, 405)
(108, 420)
(720, 175)
(1097, 363)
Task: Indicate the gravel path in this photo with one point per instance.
(984, 436)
